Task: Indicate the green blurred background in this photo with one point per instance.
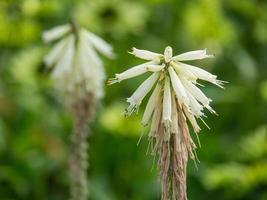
(35, 128)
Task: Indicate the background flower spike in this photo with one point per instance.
(78, 75)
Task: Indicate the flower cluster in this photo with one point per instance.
(175, 99)
(77, 66)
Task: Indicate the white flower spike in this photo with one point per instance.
(77, 68)
(174, 100)
(78, 74)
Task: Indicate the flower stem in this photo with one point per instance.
(83, 111)
(78, 162)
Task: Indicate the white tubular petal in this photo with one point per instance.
(168, 54)
(155, 120)
(196, 92)
(192, 120)
(155, 68)
(91, 53)
(151, 104)
(130, 73)
(178, 87)
(195, 107)
(83, 63)
(198, 95)
(55, 33)
(54, 55)
(144, 54)
(167, 103)
(66, 61)
(210, 109)
(101, 45)
(182, 70)
(200, 73)
(174, 124)
(137, 97)
(92, 65)
(203, 74)
(192, 55)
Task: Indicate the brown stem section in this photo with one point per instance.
(173, 157)
(172, 165)
(74, 27)
(83, 111)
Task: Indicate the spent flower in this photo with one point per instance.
(175, 99)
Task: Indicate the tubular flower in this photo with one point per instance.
(77, 68)
(174, 100)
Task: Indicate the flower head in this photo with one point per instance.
(175, 99)
(171, 74)
(77, 68)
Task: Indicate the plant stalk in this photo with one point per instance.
(83, 111)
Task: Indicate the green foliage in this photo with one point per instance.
(245, 171)
(35, 128)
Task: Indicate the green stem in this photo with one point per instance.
(83, 110)
(79, 162)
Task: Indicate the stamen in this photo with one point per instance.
(112, 81)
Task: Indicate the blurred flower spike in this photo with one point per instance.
(79, 74)
(174, 100)
(77, 66)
